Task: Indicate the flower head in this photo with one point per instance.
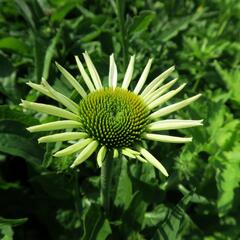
(112, 118)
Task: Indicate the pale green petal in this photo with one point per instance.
(115, 153)
(101, 155)
(173, 124)
(112, 78)
(49, 109)
(143, 77)
(165, 138)
(165, 97)
(60, 137)
(40, 88)
(72, 81)
(128, 75)
(174, 107)
(67, 102)
(92, 70)
(56, 125)
(128, 153)
(85, 76)
(151, 159)
(85, 153)
(73, 148)
(141, 159)
(157, 82)
(157, 93)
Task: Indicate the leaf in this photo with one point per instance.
(96, 226)
(26, 11)
(63, 10)
(175, 222)
(124, 186)
(6, 232)
(12, 222)
(49, 54)
(154, 217)
(14, 44)
(134, 215)
(228, 179)
(177, 25)
(141, 22)
(15, 140)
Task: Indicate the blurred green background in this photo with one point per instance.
(40, 198)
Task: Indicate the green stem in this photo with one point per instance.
(120, 13)
(106, 182)
(77, 194)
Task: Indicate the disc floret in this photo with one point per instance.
(114, 117)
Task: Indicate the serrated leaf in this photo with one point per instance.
(124, 187)
(176, 221)
(96, 226)
(141, 22)
(228, 179)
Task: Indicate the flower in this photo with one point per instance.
(111, 118)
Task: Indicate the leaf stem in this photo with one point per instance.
(106, 181)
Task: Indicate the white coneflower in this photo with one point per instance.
(112, 118)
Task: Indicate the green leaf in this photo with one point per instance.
(15, 140)
(134, 215)
(96, 226)
(6, 232)
(124, 186)
(154, 217)
(177, 25)
(228, 179)
(14, 45)
(176, 221)
(141, 22)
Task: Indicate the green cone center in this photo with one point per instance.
(114, 117)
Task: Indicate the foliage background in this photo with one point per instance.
(40, 198)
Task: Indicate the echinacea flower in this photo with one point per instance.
(112, 118)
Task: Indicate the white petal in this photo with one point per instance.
(72, 81)
(173, 124)
(115, 153)
(143, 77)
(40, 88)
(56, 125)
(128, 75)
(151, 159)
(85, 76)
(128, 153)
(166, 138)
(160, 91)
(85, 153)
(60, 137)
(141, 159)
(49, 109)
(92, 70)
(112, 78)
(101, 155)
(67, 102)
(73, 148)
(157, 81)
(165, 97)
(174, 107)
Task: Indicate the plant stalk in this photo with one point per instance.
(106, 182)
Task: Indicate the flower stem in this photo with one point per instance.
(77, 195)
(106, 181)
